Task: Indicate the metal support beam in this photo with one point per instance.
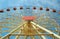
(30, 34)
(12, 31)
(38, 32)
(17, 37)
(46, 30)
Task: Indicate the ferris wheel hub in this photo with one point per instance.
(28, 18)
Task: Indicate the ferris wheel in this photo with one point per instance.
(29, 23)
